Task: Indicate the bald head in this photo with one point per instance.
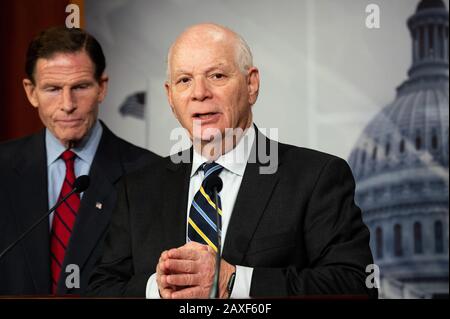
(211, 84)
(205, 34)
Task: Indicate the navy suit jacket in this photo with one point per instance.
(299, 227)
(25, 270)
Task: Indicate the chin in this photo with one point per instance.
(211, 135)
(74, 137)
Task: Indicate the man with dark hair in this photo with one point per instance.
(63, 40)
(66, 83)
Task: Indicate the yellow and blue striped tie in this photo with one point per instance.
(202, 222)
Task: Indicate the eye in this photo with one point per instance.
(81, 86)
(51, 89)
(183, 80)
(218, 76)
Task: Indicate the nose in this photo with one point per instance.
(68, 101)
(200, 90)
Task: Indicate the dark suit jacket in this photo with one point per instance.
(299, 228)
(25, 270)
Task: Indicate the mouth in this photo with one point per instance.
(205, 116)
(69, 122)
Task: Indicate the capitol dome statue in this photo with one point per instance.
(400, 163)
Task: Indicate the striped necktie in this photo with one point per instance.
(202, 222)
(63, 220)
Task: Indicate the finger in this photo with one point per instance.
(183, 279)
(164, 255)
(183, 253)
(163, 281)
(158, 266)
(166, 293)
(180, 266)
(210, 249)
(162, 258)
(190, 293)
(164, 285)
(196, 246)
(161, 268)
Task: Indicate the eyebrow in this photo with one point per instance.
(56, 83)
(208, 69)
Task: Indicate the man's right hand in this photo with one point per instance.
(186, 271)
(165, 290)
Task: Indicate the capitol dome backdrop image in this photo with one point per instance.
(400, 164)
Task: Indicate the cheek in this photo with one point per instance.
(236, 110)
(87, 106)
(46, 113)
(48, 105)
(180, 108)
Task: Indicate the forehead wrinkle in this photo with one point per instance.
(205, 69)
(56, 67)
(65, 77)
(48, 71)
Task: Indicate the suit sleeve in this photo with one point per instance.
(114, 274)
(336, 240)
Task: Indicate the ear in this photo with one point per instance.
(103, 84)
(30, 90)
(169, 97)
(253, 85)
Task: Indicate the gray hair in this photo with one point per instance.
(244, 57)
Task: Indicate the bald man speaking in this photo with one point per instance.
(291, 231)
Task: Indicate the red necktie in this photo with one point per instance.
(63, 220)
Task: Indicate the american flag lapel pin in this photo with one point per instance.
(98, 205)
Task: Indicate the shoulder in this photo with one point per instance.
(310, 163)
(132, 156)
(312, 171)
(160, 170)
(294, 155)
(10, 149)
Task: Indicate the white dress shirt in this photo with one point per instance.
(234, 163)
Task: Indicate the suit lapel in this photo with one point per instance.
(176, 190)
(248, 210)
(96, 205)
(31, 202)
(254, 194)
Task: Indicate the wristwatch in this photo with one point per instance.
(230, 284)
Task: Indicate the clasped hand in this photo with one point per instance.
(188, 272)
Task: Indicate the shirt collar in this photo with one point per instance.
(235, 160)
(85, 150)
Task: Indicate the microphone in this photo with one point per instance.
(214, 183)
(79, 186)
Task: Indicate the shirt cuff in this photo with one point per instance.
(152, 291)
(242, 283)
